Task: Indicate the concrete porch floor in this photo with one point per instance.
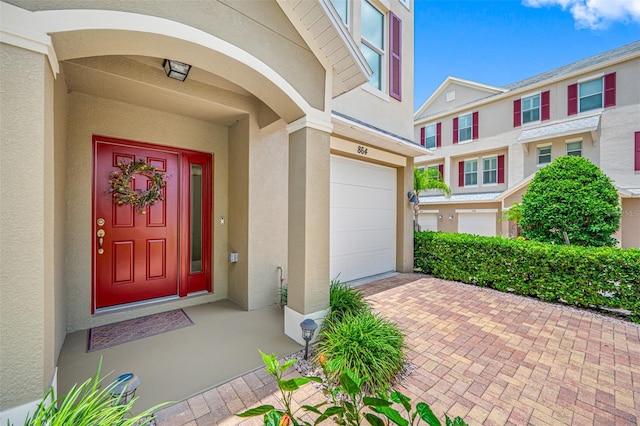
(489, 357)
(222, 344)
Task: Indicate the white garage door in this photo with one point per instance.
(428, 221)
(363, 219)
(477, 223)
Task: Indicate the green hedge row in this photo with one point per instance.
(583, 276)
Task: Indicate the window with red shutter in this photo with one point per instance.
(395, 57)
(572, 99)
(438, 135)
(637, 155)
(545, 105)
(441, 170)
(475, 125)
(500, 168)
(517, 113)
(455, 130)
(610, 89)
(461, 173)
(422, 132)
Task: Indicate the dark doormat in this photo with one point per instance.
(110, 335)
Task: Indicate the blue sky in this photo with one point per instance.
(503, 41)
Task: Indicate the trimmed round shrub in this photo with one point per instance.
(369, 345)
(572, 196)
(345, 300)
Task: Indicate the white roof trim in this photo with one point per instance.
(449, 80)
(564, 128)
(461, 198)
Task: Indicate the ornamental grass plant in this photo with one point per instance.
(369, 345)
(345, 300)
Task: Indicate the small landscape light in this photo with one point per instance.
(308, 327)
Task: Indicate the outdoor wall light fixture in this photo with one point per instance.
(175, 69)
(439, 216)
(412, 197)
(451, 217)
(308, 327)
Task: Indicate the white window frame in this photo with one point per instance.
(382, 52)
(471, 185)
(589, 80)
(347, 19)
(435, 136)
(470, 115)
(490, 157)
(538, 148)
(522, 110)
(573, 141)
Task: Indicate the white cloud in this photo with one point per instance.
(594, 14)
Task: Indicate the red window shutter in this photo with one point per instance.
(500, 168)
(438, 135)
(475, 125)
(395, 57)
(455, 130)
(461, 173)
(441, 170)
(610, 89)
(572, 99)
(422, 139)
(637, 168)
(517, 113)
(545, 105)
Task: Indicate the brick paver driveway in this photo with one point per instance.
(492, 358)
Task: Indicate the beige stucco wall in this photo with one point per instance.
(404, 229)
(273, 39)
(376, 107)
(26, 251)
(89, 115)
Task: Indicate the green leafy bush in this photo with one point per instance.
(572, 196)
(365, 343)
(345, 300)
(583, 276)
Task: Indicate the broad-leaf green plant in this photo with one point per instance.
(571, 199)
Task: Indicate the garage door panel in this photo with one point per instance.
(477, 223)
(428, 221)
(361, 242)
(360, 197)
(360, 174)
(363, 218)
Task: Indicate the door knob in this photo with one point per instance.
(100, 234)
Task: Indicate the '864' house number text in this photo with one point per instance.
(362, 150)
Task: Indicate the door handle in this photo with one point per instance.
(100, 234)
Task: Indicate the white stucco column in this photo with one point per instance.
(308, 258)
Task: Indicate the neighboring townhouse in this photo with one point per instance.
(488, 142)
(284, 133)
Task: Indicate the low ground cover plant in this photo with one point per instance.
(583, 276)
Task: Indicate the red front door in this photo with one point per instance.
(139, 256)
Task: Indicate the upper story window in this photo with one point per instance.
(574, 148)
(544, 155)
(590, 94)
(530, 109)
(489, 170)
(431, 136)
(342, 7)
(465, 127)
(372, 42)
(470, 172)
